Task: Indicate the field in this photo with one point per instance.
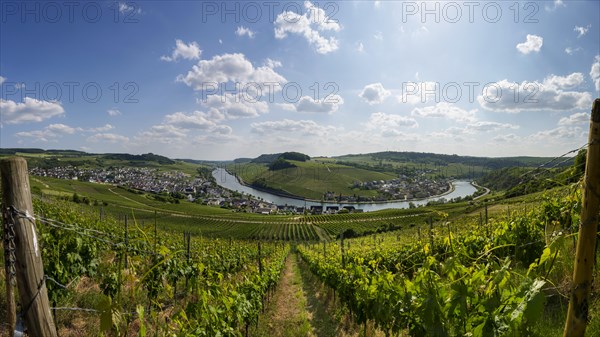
(311, 179)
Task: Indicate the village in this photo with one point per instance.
(179, 186)
(403, 188)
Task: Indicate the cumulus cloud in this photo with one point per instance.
(329, 104)
(241, 31)
(272, 63)
(30, 110)
(309, 25)
(113, 112)
(106, 127)
(581, 31)
(189, 51)
(595, 72)
(234, 106)
(389, 124)
(487, 126)
(574, 119)
(508, 138)
(287, 126)
(420, 92)
(108, 138)
(533, 43)
(561, 132)
(564, 82)
(230, 68)
(2, 79)
(445, 110)
(195, 120)
(550, 94)
(374, 93)
(49, 133)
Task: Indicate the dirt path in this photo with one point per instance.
(287, 315)
(303, 307)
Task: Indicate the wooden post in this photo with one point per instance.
(9, 260)
(29, 267)
(577, 315)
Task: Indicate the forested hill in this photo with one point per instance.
(445, 159)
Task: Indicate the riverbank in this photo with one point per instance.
(279, 193)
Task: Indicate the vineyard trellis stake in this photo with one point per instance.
(577, 315)
(16, 193)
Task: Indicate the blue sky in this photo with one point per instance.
(220, 80)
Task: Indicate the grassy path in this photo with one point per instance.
(301, 306)
(287, 314)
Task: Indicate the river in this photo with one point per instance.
(461, 189)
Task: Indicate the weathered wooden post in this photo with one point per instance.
(9, 271)
(16, 195)
(577, 315)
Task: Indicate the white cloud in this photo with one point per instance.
(230, 68)
(329, 104)
(106, 127)
(49, 133)
(287, 126)
(595, 72)
(30, 110)
(511, 97)
(508, 138)
(309, 25)
(556, 4)
(108, 138)
(360, 47)
(241, 31)
(420, 92)
(189, 51)
(564, 82)
(163, 133)
(2, 79)
(195, 120)
(533, 44)
(374, 93)
(286, 106)
(388, 124)
(486, 126)
(445, 110)
(233, 106)
(561, 132)
(124, 8)
(273, 63)
(571, 51)
(575, 119)
(113, 112)
(581, 31)
(378, 36)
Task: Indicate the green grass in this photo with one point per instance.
(311, 179)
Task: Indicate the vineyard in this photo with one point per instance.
(494, 280)
(135, 279)
(473, 268)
